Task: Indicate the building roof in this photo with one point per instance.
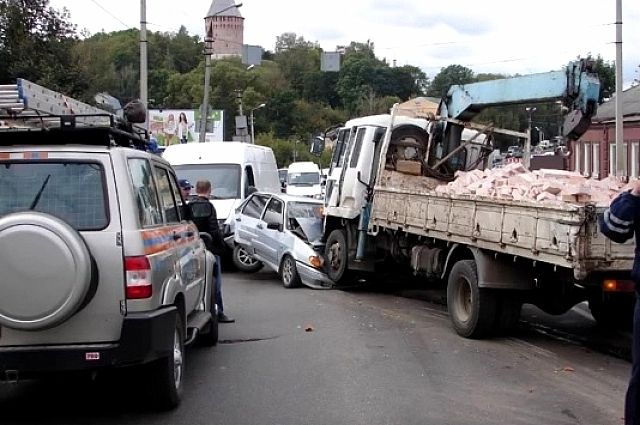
(630, 105)
(219, 5)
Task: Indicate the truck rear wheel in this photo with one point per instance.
(472, 310)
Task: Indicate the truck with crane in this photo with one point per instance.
(493, 254)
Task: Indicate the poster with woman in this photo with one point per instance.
(172, 126)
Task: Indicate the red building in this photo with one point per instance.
(594, 154)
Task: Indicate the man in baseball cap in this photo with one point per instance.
(185, 187)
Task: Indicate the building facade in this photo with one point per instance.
(224, 25)
(594, 154)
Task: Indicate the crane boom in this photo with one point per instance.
(577, 86)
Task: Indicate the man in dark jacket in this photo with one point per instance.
(620, 223)
(215, 245)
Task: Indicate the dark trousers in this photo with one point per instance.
(632, 402)
(217, 274)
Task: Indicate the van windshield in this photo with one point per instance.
(304, 179)
(224, 178)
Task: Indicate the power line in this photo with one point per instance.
(111, 14)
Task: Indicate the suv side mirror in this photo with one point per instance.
(275, 226)
(201, 209)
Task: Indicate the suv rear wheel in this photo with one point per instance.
(166, 375)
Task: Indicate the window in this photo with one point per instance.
(166, 196)
(576, 157)
(224, 178)
(255, 206)
(612, 159)
(587, 159)
(248, 179)
(595, 170)
(144, 189)
(337, 151)
(358, 146)
(273, 213)
(346, 146)
(71, 191)
(635, 160)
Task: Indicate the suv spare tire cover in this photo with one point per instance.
(45, 271)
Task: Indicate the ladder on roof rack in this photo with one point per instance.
(39, 107)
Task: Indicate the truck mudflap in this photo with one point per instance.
(145, 337)
(492, 272)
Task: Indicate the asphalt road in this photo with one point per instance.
(331, 357)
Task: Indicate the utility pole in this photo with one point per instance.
(621, 165)
(144, 90)
(208, 51)
(208, 45)
(239, 97)
(526, 155)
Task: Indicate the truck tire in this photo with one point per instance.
(337, 256)
(472, 310)
(44, 257)
(166, 376)
(243, 261)
(613, 313)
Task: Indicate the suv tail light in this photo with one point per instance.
(138, 275)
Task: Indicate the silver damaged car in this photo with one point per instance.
(283, 232)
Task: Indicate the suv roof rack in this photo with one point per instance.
(36, 115)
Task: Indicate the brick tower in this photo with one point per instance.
(225, 25)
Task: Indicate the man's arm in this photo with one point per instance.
(618, 221)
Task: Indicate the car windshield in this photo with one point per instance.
(72, 191)
(306, 216)
(301, 179)
(224, 178)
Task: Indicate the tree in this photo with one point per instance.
(36, 43)
(607, 74)
(452, 74)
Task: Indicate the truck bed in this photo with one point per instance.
(565, 235)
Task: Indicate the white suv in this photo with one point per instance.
(100, 266)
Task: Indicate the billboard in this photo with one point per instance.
(174, 126)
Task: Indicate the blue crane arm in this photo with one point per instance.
(577, 86)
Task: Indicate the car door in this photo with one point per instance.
(268, 243)
(248, 219)
(182, 238)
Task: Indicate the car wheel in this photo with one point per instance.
(336, 254)
(289, 273)
(243, 261)
(166, 375)
(472, 310)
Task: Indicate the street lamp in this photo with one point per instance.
(526, 156)
(253, 124)
(208, 41)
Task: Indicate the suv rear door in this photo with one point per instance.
(78, 188)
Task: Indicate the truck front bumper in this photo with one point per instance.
(145, 337)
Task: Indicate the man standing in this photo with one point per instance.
(620, 223)
(185, 188)
(215, 245)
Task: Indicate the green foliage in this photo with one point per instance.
(36, 43)
(607, 74)
(452, 74)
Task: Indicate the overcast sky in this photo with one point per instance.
(502, 36)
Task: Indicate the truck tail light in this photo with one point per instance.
(613, 285)
(138, 275)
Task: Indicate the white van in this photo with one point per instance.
(303, 179)
(231, 167)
